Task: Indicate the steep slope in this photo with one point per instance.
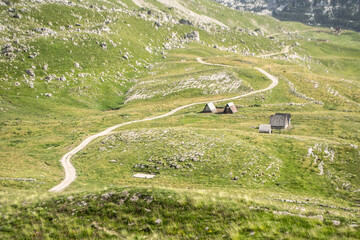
(336, 13)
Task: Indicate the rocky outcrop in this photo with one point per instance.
(329, 13)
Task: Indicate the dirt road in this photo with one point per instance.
(70, 172)
(285, 50)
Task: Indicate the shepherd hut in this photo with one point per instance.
(280, 120)
(265, 128)
(210, 108)
(230, 108)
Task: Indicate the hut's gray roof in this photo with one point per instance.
(210, 107)
(288, 115)
(278, 120)
(264, 128)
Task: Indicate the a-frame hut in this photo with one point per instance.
(210, 108)
(230, 108)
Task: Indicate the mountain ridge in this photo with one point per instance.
(335, 13)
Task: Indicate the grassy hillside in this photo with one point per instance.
(71, 69)
(157, 214)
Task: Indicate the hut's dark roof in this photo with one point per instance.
(288, 115)
(278, 120)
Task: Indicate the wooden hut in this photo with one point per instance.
(230, 108)
(210, 108)
(265, 128)
(280, 120)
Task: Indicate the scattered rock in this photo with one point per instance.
(107, 196)
(102, 149)
(30, 72)
(335, 222)
(135, 197)
(45, 31)
(193, 36)
(17, 15)
(260, 31)
(185, 22)
(158, 221)
(125, 193)
(19, 179)
(33, 55)
(8, 48)
(103, 45)
(49, 78)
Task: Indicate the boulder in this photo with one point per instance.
(8, 49)
(194, 35)
(30, 72)
(103, 45)
(185, 22)
(260, 31)
(17, 15)
(335, 222)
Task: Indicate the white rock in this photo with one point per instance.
(335, 222)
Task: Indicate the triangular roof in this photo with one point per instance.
(230, 108)
(210, 107)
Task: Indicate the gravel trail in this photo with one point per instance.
(70, 172)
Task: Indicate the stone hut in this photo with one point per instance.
(280, 121)
(265, 128)
(230, 108)
(210, 108)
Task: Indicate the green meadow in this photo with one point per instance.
(216, 177)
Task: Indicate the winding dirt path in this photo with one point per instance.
(70, 172)
(285, 50)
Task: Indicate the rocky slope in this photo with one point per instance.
(329, 13)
